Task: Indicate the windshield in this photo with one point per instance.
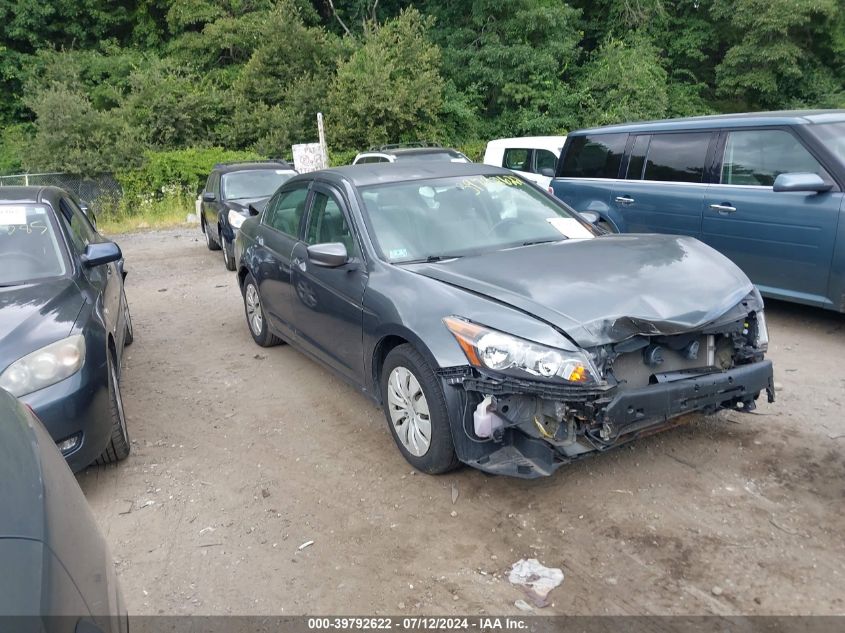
(257, 183)
(29, 248)
(453, 156)
(832, 136)
(447, 217)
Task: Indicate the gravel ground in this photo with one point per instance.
(242, 455)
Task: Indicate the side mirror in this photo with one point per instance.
(590, 216)
(548, 172)
(253, 210)
(100, 253)
(208, 196)
(811, 183)
(329, 255)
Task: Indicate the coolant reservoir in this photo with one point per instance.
(485, 421)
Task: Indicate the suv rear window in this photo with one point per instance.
(594, 156)
(677, 157)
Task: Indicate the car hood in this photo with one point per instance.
(36, 314)
(241, 205)
(608, 289)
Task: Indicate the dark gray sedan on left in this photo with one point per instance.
(57, 575)
(64, 322)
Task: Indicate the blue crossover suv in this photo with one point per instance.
(765, 189)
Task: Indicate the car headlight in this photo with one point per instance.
(236, 219)
(761, 332)
(500, 352)
(44, 367)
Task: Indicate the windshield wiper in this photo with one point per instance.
(545, 241)
(431, 259)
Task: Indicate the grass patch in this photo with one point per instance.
(169, 211)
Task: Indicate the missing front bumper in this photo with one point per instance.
(614, 417)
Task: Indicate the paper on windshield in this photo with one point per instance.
(12, 215)
(570, 227)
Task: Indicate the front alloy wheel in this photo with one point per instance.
(255, 315)
(415, 408)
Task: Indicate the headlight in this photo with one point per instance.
(761, 334)
(491, 349)
(44, 367)
(236, 219)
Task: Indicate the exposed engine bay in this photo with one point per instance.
(648, 382)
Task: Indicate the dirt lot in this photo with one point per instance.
(241, 455)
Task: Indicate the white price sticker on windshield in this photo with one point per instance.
(12, 215)
(570, 227)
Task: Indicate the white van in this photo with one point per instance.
(534, 157)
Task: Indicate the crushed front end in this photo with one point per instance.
(528, 426)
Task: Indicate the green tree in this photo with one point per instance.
(777, 51)
(390, 89)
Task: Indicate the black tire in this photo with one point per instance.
(228, 253)
(440, 456)
(263, 336)
(210, 242)
(129, 335)
(118, 447)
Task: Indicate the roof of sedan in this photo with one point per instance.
(225, 168)
(31, 194)
(383, 173)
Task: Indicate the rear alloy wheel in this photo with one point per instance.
(118, 447)
(255, 318)
(416, 413)
(228, 255)
(210, 242)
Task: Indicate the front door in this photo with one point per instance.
(327, 302)
(782, 241)
(275, 239)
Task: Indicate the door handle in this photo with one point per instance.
(723, 209)
(259, 240)
(624, 199)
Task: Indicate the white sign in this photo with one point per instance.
(570, 227)
(309, 157)
(12, 215)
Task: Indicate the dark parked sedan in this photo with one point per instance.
(57, 571)
(230, 190)
(64, 322)
(492, 323)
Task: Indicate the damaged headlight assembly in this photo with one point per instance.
(761, 334)
(490, 349)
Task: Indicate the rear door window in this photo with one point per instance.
(594, 156)
(517, 158)
(286, 214)
(677, 157)
(757, 157)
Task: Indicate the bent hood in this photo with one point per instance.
(607, 289)
(36, 314)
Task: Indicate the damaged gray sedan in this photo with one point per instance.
(495, 326)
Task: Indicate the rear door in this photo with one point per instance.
(278, 234)
(663, 185)
(783, 241)
(328, 306)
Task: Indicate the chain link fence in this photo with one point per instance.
(101, 191)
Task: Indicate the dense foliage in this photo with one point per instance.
(92, 85)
